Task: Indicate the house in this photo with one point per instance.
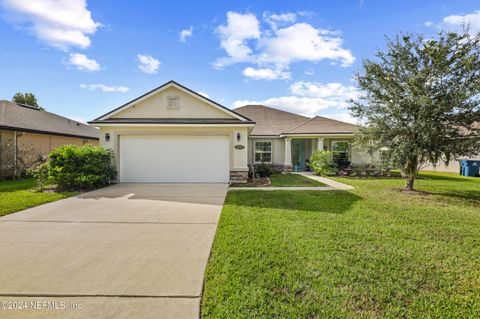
(27, 133)
(173, 134)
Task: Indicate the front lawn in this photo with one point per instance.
(18, 195)
(293, 180)
(372, 252)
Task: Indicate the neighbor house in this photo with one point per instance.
(173, 134)
(27, 133)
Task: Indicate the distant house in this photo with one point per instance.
(26, 133)
(454, 165)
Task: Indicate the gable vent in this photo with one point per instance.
(173, 102)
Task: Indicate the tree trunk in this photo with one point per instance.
(409, 183)
(410, 173)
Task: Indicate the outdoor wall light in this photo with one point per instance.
(107, 137)
(238, 137)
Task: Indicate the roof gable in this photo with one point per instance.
(154, 105)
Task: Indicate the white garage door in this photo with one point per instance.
(174, 159)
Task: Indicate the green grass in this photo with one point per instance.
(372, 252)
(18, 195)
(288, 180)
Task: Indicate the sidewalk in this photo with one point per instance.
(331, 185)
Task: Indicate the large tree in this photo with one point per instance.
(421, 100)
(27, 99)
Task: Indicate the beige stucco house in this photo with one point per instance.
(27, 133)
(173, 134)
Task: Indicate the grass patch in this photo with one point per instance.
(293, 180)
(19, 195)
(372, 252)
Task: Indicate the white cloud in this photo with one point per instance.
(344, 117)
(281, 42)
(105, 88)
(83, 63)
(266, 74)
(279, 19)
(303, 42)
(310, 98)
(203, 94)
(309, 71)
(186, 33)
(234, 36)
(329, 90)
(61, 24)
(458, 21)
(148, 64)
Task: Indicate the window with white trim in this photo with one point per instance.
(173, 102)
(263, 152)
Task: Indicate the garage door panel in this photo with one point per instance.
(174, 159)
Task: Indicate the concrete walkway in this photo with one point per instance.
(125, 251)
(334, 184)
(288, 188)
(331, 185)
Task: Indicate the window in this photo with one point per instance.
(340, 152)
(173, 102)
(263, 152)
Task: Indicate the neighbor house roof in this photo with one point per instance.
(273, 122)
(322, 125)
(270, 121)
(25, 118)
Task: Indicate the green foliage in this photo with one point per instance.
(16, 195)
(41, 175)
(322, 163)
(81, 167)
(27, 99)
(421, 99)
(263, 170)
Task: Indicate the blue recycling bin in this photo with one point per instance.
(469, 167)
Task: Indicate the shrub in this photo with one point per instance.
(40, 172)
(322, 163)
(81, 167)
(264, 170)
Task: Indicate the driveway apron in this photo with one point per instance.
(124, 251)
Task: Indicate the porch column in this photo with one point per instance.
(288, 152)
(320, 144)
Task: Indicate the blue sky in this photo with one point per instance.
(83, 58)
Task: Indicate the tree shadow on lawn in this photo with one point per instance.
(332, 202)
(469, 196)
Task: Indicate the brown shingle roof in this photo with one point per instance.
(23, 117)
(323, 125)
(270, 121)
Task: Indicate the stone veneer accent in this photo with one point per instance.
(238, 176)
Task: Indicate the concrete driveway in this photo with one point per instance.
(124, 251)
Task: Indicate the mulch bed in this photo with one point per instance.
(258, 182)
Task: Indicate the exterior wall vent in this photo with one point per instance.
(173, 102)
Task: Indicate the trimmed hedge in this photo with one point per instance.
(81, 167)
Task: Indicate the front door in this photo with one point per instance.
(298, 155)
